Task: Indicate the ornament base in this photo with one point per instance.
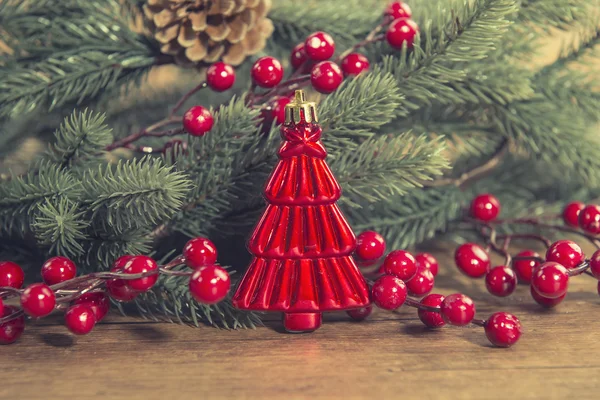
(301, 322)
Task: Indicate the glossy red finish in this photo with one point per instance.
(80, 319)
(199, 252)
(209, 285)
(589, 219)
(197, 121)
(501, 281)
(267, 72)
(389, 292)
(472, 260)
(544, 301)
(11, 275)
(485, 207)
(57, 270)
(326, 76)
(220, 76)
(354, 64)
(275, 111)
(98, 302)
(427, 261)
(298, 56)
(524, 268)
(398, 9)
(429, 318)
(401, 31)
(319, 46)
(400, 264)
(458, 309)
(595, 264)
(422, 283)
(550, 280)
(503, 329)
(565, 252)
(370, 246)
(139, 265)
(360, 314)
(120, 262)
(12, 330)
(118, 289)
(571, 213)
(38, 300)
(302, 322)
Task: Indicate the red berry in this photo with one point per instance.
(267, 72)
(197, 121)
(11, 330)
(200, 252)
(571, 213)
(97, 301)
(209, 285)
(589, 219)
(389, 292)
(121, 262)
(595, 264)
(472, 260)
(275, 111)
(458, 309)
(298, 56)
(57, 270)
(503, 329)
(566, 253)
(402, 31)
(421, 283)
(544, 301)
(550, 280)
(524, 268)
(80, 319)
(138, 265)
(398, 9)
(118, 289)
(370, 246)
(326, 76)
(11, 275)
(354, 64)
(501, 281)
(360, 314)
(429, 318)
(485, 207)
(401, 264)
(220, 76)
(38, 300)
(319, 46)
(426, 260)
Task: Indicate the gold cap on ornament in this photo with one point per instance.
(299, 109)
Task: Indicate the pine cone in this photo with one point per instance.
(204, 31)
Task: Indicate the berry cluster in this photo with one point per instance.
(85, 299)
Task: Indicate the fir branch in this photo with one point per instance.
(554, 13)
(105, 245)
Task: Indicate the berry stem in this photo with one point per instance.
(417, 304)
(186, 97)
(124, 142)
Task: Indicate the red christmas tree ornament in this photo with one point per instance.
(302, 245)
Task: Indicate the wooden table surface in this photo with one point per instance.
(389, 356)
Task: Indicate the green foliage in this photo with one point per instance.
(554, 13)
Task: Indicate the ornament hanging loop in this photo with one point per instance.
(300, 110)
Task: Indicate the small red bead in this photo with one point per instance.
(97, 301)
(429, 318)
(11, 330)
(275, 111)
(354, 64)
(199, 252)
(326, 76)
(118, 289)
(11, 275)
(197, 121)
(595, 264)
(220, 76)
(571, 213)
(360, 314)
(267, 72)
(401, 264)
(485, 207)
(57, 270)
(38, 300)
(589, 219)
(472, 260)
(398, 9)
(524, 268)
(319, 46)
(389, 292)
(298, 56)
(209, 285)
(501, 281)
(422, 283)
(138, 265)
(370, 246)
(402, 31)
(550, 280)
(566, 253)
(458, 309)
(80, 319)
(503, 329)
(544, 301)
(426, 260)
